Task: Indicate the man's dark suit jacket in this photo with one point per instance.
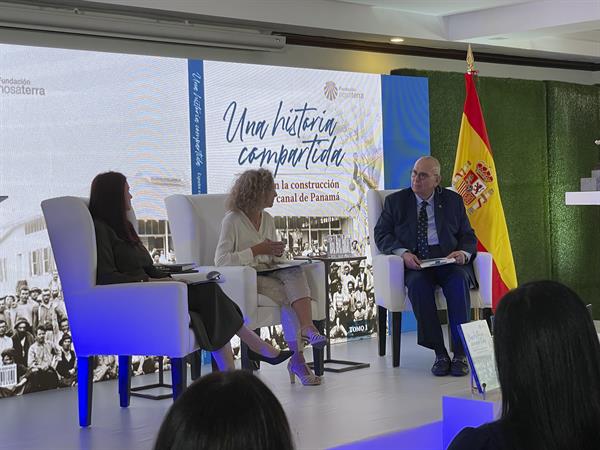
(397, 226)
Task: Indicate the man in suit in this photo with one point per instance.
(425, 222)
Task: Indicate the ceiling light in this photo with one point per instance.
(396, 40)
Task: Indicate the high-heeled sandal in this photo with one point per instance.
(316, 339)
(304, 374)
(283, 355)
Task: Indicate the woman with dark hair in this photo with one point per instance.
(123, 259)
(548, 358)
(225, 411)
(249, 238)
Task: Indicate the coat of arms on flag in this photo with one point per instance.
(474, 184)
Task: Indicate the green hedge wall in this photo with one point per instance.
(542, 136)
(573, 125)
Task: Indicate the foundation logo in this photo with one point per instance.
(333, 91)
(330, 90)
(474, 185)
(20, 86)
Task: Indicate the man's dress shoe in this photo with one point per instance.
(441, 366)
(459, 367)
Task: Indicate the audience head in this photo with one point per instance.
(109, 201)
(548, 358)
(225, 411)
(253, 190)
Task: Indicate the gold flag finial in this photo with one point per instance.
(470, 61)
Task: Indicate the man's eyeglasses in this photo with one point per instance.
(421, 175)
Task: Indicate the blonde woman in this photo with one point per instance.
(248, 237)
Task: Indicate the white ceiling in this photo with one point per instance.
(434, 7)
(556, 29)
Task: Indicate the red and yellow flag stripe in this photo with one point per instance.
(475, 178)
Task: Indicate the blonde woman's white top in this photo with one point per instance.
(238, 235)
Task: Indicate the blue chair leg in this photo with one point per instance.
(85, 379)
(396, 337)
(196, 364)
(178, 376)
(381, 328)
(124, 380)
(213, 364)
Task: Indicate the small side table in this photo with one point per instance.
(351, 365)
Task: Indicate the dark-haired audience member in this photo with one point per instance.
(226, 411)
(22, 340)
(67, 362)
(548, 359)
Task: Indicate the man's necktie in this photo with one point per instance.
(422, 244)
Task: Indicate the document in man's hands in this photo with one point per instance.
(433, 262)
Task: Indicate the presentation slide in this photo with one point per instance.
(174, 125)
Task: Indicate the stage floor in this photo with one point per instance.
(346, 408)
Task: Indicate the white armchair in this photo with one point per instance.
(390, 291)
(195, 222)
(117, 319)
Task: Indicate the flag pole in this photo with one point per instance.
(471, 62)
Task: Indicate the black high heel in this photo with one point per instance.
(283, 355)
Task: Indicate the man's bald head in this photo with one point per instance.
(425, 176)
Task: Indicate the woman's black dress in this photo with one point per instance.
(215, 317)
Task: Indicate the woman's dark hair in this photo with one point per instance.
(107, 203)
(548, 358)
(225, 411)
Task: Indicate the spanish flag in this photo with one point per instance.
(476, 180)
